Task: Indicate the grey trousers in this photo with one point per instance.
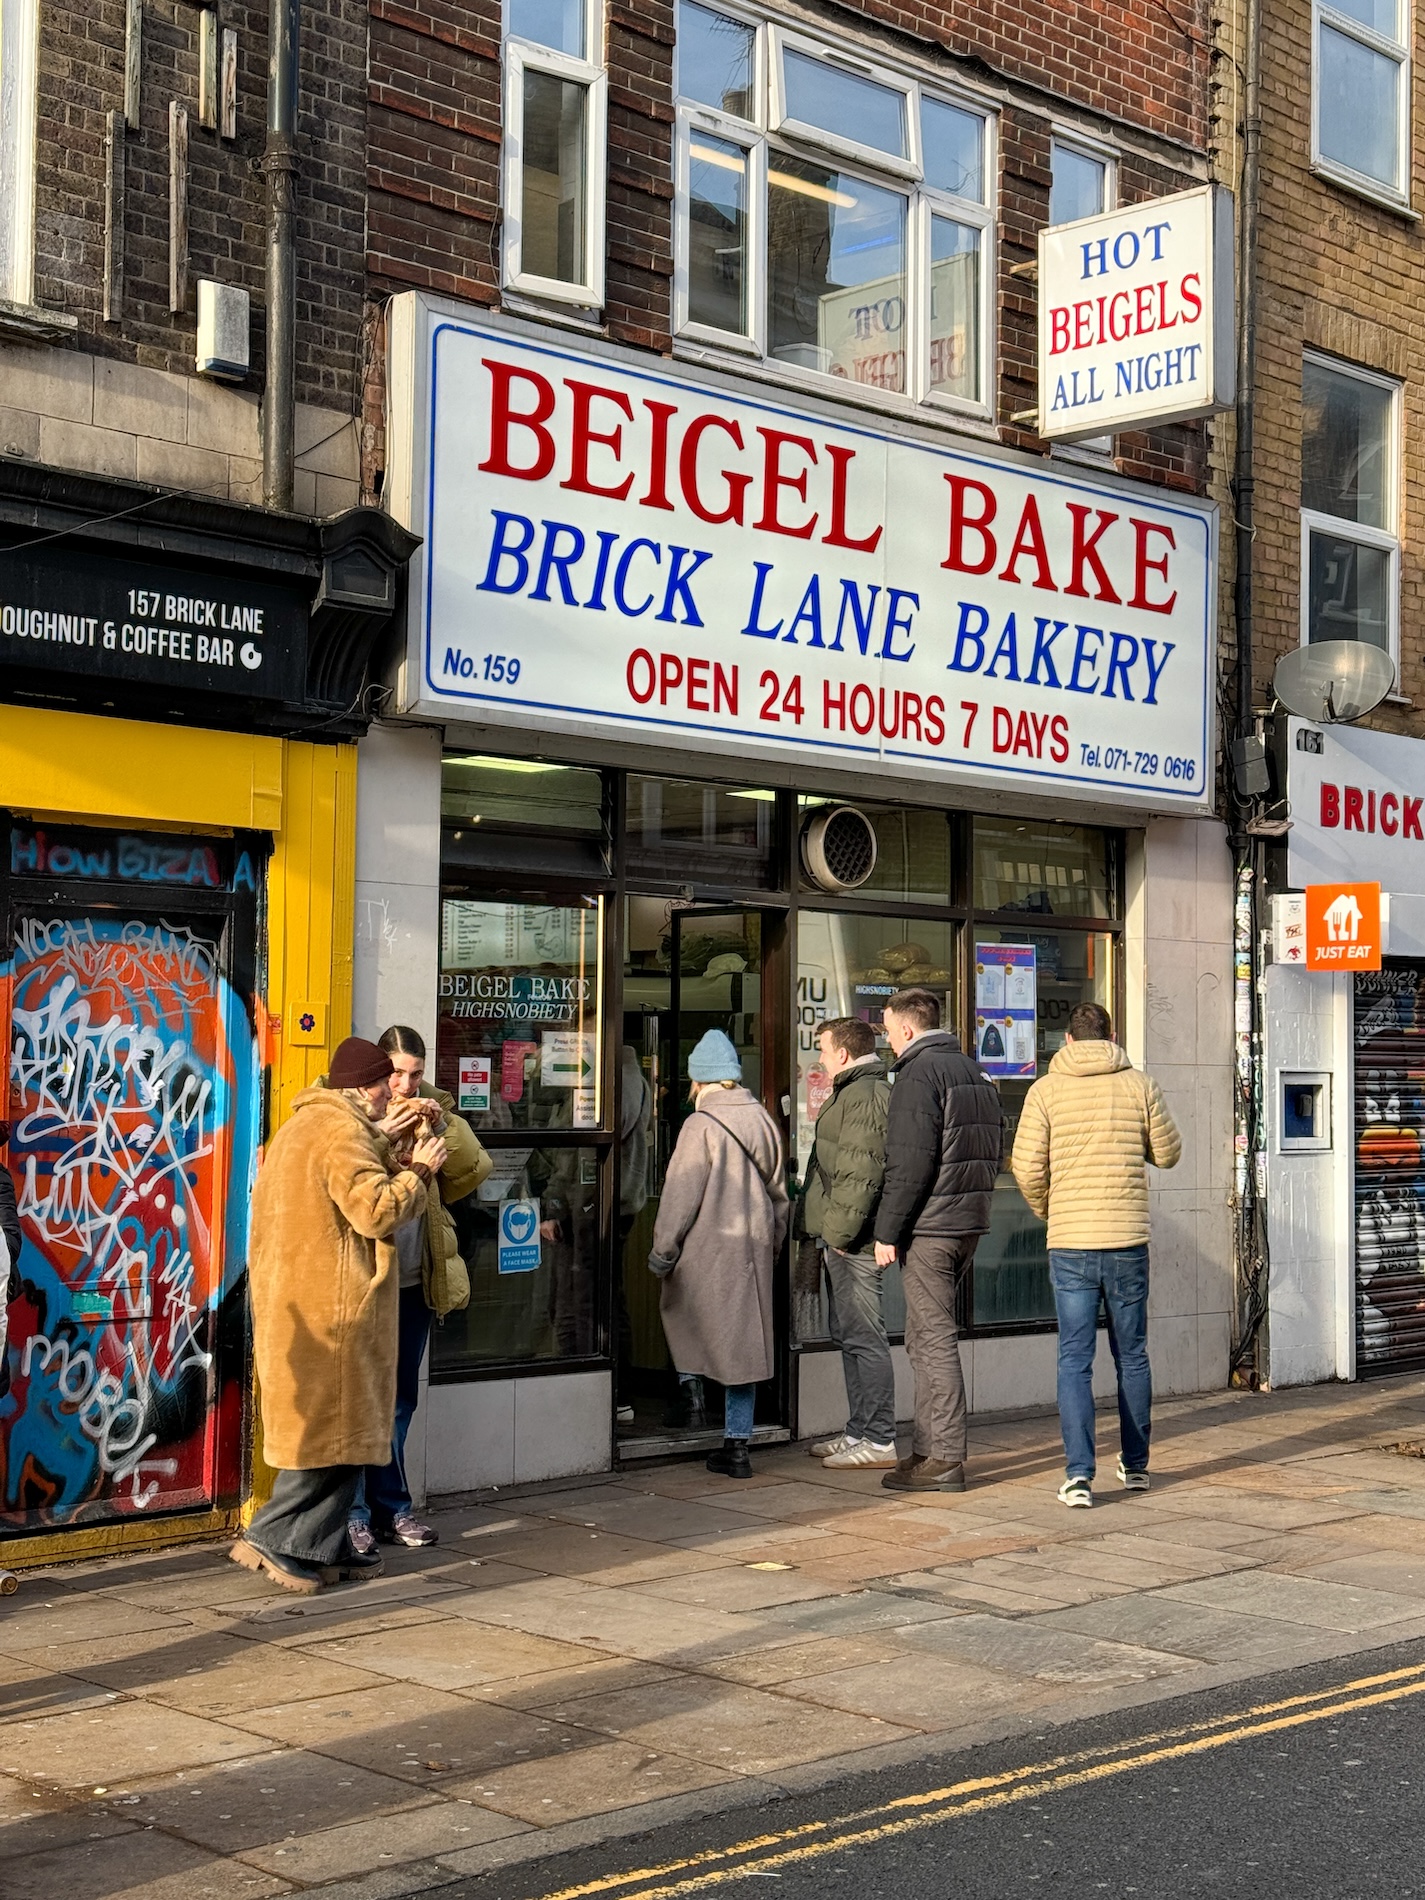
(930, 1276)
(306, 1515)
(853, 1311)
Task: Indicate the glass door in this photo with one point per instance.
(685, 971)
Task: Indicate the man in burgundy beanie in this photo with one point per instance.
(323, 1273)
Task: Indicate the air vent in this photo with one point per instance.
(838, 848)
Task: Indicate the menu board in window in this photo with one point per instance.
(519, 1036)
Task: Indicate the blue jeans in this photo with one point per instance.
(854, 1285)
(738, 1404)
(383, 1493)
(1082, 1277)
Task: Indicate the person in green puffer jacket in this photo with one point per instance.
(843, 1186)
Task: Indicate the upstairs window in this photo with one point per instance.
(834, 219)
(1360, 95)
(556, 112)
(1082, 183)
(19, 50)
(1350, 547)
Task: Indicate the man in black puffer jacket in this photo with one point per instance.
(944, 1147)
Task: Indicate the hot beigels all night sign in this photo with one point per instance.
(638, 551)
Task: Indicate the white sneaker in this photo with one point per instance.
(1132, 1480)
(828, 1447)
(1076, 1493)
(864, 1455)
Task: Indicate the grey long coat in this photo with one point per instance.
(717, 1237)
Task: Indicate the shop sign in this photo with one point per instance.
(1357, 807)
(84, 614)
(1136, 316)
(620, 552)
(163, 860)
(1343, 926)
(517, 1247)
(1006, 1010)
(473, 1085)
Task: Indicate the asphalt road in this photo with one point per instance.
(1306, 1783)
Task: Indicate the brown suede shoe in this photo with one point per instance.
(925, 1474)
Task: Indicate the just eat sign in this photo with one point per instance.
(1343, 927)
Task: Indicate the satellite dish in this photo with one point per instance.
(1332, 682)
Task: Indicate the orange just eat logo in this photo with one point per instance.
(1343, 927)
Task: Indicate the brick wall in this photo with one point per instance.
(1340, 275)
(81, 80)
(434, 156)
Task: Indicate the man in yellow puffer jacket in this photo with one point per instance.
(1088, 1130)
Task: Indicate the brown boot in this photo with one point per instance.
(925, 1474)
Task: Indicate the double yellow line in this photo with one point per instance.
(813, 1840)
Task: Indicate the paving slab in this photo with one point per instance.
(231, 1806)
(416, 1734)
(455, 1653)
(1027, 1648)
(924, 1692)
(1163, 1623)
(749, 1731)
(144, 1865)
(30, 1622)
(414, 1834)
(1299, 1600)
(89, 1747)
(596, 1780)
(218, 1675)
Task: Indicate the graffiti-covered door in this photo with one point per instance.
(132, 1129)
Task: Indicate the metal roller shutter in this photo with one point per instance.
(1390, 1169)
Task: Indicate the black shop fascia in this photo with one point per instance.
(145, 603)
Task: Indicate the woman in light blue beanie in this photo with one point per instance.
(722, 1218)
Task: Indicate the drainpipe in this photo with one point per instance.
(279, 162)
(1251, 1253)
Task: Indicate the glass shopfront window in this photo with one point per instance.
(913, 852)
(530, 1237)
(1025, 988)
(725, 834)
(518, 1035)
(851, 966)
(1048, 870)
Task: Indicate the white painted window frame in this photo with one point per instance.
(19, 69)
(769, 132)
(522, 56)
(691, 121)
(780, 42)
(1386, 539)
(1097, 449)
(1397, 194)
(934, 203)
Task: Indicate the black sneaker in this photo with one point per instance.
(732, 1461)
(687, 1413)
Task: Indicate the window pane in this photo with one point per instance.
(520, 794)
(1359, 106)
(718, 834)
(1044, 870)
(717, 233)
(836, 273)
(1381, 15)
(954, 143)
(555, 23)
(912, 851)
(849, 966)
(715, 60)
(1011, 1262)
(1345, 446)
(819, 93)
(1348, 591)
(518, 1029)
(955, 309)
(1077, 185)
(552, 200)
(530, 1237)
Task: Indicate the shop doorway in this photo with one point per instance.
(132, 1128)
(686, 970)
(1390, 1169)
